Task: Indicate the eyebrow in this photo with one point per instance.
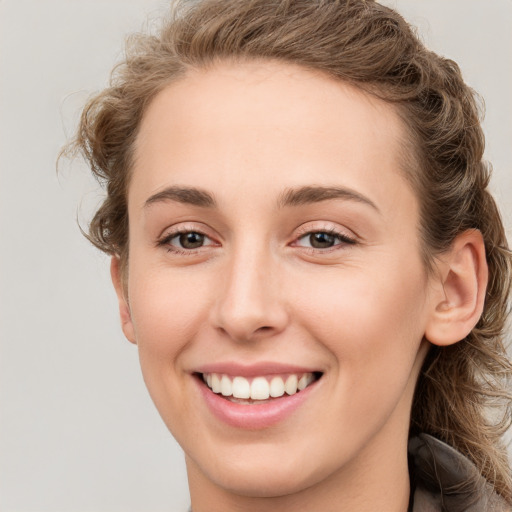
(290, 197)
(316, 194)
(185, 195)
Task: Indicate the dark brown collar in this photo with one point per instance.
(443, 480)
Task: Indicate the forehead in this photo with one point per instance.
(235, 123)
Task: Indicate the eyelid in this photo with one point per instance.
(344, 236)
(175, 234)
(325, 227)
(185, 227)
(182, 228)
(339, 236)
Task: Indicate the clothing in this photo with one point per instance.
(443, 480)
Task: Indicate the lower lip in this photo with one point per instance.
(255, 416)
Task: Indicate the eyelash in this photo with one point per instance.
(166, 242)
(340, 237)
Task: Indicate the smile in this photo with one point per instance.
(252, 398)
(257, 389)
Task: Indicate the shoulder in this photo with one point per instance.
(445, 480)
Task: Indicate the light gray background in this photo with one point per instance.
(77, 429)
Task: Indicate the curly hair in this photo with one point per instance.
(463, 394)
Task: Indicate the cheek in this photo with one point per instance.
(371, 321)
(372, 327)
(166, 312)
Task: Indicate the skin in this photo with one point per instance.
(257, 291)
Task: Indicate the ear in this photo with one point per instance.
(122, 297)
(459, 290)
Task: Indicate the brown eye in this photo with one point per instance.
(324, 240)
(186, 242)
(321, 240)
(191, 240)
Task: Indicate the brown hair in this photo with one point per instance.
(461, 387)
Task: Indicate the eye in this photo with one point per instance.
(190, 240)
(323, 239)
(185, 241)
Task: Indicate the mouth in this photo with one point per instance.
(258, 390)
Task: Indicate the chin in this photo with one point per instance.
(265, 482)
(260, 473)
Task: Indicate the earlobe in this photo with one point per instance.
(459, 291)
(124, 308)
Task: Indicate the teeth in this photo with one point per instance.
(215, 383)
(291, 385)
(241, 388)
(259, 388)
(226, 387)
(304, 381)
(276, 387)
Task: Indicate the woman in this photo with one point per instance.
(307, 256)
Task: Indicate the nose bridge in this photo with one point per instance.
(249, 302)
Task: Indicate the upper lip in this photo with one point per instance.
(253, 370)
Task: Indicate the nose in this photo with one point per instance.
(249, 304)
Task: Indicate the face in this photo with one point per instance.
(274, 253)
